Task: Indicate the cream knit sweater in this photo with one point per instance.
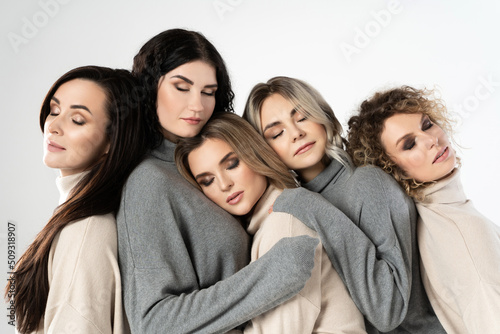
(324, 305)
(460, 259)
(84, 278)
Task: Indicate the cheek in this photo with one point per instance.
(212, 195)
(280, 147)
(91, 146)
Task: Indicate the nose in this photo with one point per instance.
(430, 140)
(226, 183)
(195, 103)
(296, 133)
(54, 125)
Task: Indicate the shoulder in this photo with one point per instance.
(95, 231)
(374, 179)
(149, 172)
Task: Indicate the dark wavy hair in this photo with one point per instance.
(167, 51)
(98, 192)
(364, 143)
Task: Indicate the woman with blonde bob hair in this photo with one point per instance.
(405, 131)
(234, 167)
(378, 261)
(311, 104)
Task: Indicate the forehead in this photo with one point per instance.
(197, 69)
(82, 92)
(399, 125)
(274, 104)
(208, 154)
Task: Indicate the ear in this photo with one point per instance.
(106, 149)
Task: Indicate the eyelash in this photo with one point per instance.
(276, 136)
(206, 183)
(187, 90)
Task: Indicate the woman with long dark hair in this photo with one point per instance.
(180, 254)
(68, 278)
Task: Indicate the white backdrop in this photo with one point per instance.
(346, 49)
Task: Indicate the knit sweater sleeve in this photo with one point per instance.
(374, 258)
(177, 282)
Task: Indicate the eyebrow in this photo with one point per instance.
(409, 134)
(270, 125)
(224, 158)
(73, 106)
(183, 78)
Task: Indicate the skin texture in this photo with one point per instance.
(186, 99)
(224, 178)
(299, 142)
(75, 130)
(422, 149)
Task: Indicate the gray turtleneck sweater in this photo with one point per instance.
(374, 248)
(180, 257)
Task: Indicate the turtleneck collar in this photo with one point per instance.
(261, 210)
(330, 173)
(66, 183)
(445, 191)
(165, 151)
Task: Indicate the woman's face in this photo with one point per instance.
(186, 99)
(224, 178)
(299, 142)
(75, 130)
(418, 146)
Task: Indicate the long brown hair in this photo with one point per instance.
(97, 193)
(248, 145)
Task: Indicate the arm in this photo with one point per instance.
(173, 282)
(375, 268)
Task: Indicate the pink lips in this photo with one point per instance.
(304, 148)
(54, 147)
(234, 198)
(192, 120)
(442, 155)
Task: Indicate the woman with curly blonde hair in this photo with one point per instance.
(405, 131)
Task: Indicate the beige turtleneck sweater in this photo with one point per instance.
(460, 259)
(324, 305)
(84, 278)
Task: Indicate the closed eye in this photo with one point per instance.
(427, 124)
(277, 135)
(408, 144)
(206, 182)
(233, 163)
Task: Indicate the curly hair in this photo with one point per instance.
(167, 51)
(364, 143)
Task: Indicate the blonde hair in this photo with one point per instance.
(364, 143)
(250, 148)
(308, 101)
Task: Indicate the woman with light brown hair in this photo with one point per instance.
(235, 168)
(406, 132)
